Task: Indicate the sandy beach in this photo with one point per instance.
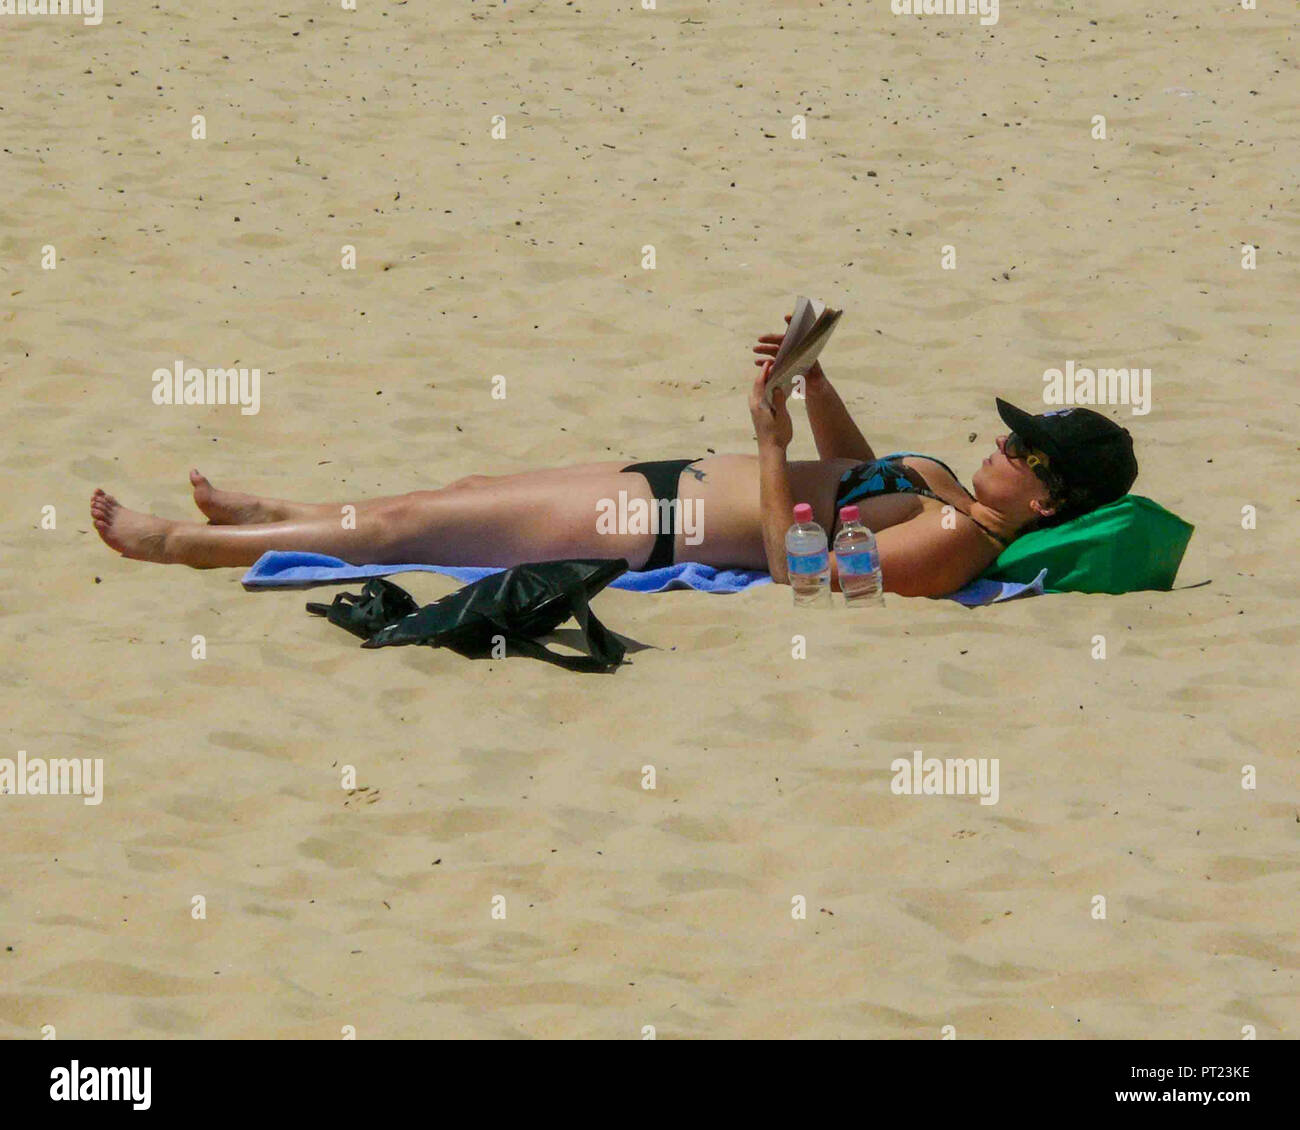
(521, 256)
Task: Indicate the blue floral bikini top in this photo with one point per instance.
(890, 476)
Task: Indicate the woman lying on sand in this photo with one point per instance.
(933, 534)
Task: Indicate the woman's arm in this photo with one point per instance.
(773, 428)
(776, 502)
(833, 429)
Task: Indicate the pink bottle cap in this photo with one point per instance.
(803, 513)
(849, 514)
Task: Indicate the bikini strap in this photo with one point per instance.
(1001, 541)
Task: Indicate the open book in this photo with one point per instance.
(809, 330)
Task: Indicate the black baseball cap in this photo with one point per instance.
(1092, 455)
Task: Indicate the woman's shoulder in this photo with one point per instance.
(932, 554)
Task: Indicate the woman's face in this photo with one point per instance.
(1010, 486)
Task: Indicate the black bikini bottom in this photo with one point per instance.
(662, 475)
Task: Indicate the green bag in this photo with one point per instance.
(1130, 544)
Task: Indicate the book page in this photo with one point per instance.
(810, 328)
(806, 313)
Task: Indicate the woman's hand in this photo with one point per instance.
(771, 424)
(767, 346)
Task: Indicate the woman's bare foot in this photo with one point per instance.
(142, 537)
(231, 508)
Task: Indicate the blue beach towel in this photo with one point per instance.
(291, 570)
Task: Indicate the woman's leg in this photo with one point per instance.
(235, 508)
(530, 517)
(500, 521)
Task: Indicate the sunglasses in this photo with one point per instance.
(1017, 448)
(1037, 461)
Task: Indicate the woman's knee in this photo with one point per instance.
(469, 482)
(398, 520)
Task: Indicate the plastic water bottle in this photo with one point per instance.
(858, 561)
(806, 558)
